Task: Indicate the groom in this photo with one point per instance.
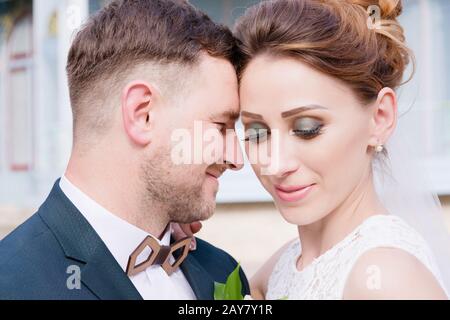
(138, 70)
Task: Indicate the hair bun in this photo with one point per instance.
(389, 9)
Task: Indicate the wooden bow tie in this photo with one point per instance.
(160, 256)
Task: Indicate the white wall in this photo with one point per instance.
(428, 94)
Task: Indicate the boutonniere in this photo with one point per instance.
(232, 289)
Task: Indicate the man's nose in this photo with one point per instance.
(233, 157)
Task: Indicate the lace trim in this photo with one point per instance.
(326, 276)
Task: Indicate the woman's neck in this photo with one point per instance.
(321, 236)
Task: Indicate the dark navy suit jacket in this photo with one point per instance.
(35, 260)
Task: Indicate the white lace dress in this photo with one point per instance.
(325, 277)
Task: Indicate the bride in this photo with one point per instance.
(318, 82)
(318, 91)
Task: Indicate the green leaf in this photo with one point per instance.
(232, 289)
(219, 291)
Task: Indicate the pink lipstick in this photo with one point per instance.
(293, 193)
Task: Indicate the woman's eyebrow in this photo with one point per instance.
(252, 115)
(296, 111)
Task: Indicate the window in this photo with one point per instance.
(426, 26)
(95, 5)
(441, 47)
(224, 11)
(19, 90)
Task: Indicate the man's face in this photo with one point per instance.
(194, 143)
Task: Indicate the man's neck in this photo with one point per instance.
(117, 192)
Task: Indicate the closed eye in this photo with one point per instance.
(307, 133)
(256, 133)
(307, 128)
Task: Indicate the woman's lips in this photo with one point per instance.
(293, 194)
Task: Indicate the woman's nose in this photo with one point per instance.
(284, 157)
(286, 167)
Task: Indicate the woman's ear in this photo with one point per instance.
(138, 101)
(384, 117)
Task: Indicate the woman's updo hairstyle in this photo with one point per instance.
(359, 42)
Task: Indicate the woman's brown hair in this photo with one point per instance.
(336, 37)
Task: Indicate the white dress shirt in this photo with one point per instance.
(122, 238)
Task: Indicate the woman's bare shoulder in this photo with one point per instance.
(390, 273)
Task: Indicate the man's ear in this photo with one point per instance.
(138, 101)
(384, 117)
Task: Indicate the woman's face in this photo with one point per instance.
(315, 131)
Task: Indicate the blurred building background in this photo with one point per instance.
(36, 124)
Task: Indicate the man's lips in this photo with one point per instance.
(214, 175)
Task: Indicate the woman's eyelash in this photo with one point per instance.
(305, 134)
(308, 133)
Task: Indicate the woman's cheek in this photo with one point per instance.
(252, 157)
(259, 156)
(340, 163)
(258, 167)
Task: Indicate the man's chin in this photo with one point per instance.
(208, 209)
(197, 213)
(207, 214)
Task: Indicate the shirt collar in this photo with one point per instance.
(120, 237)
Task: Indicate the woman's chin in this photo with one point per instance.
(298, 216)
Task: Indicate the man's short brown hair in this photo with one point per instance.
(127, 33)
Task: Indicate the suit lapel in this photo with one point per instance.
(106, 278)
(199, 279)
(101, 273)
(201, 282)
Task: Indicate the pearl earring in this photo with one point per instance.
(379, 148)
